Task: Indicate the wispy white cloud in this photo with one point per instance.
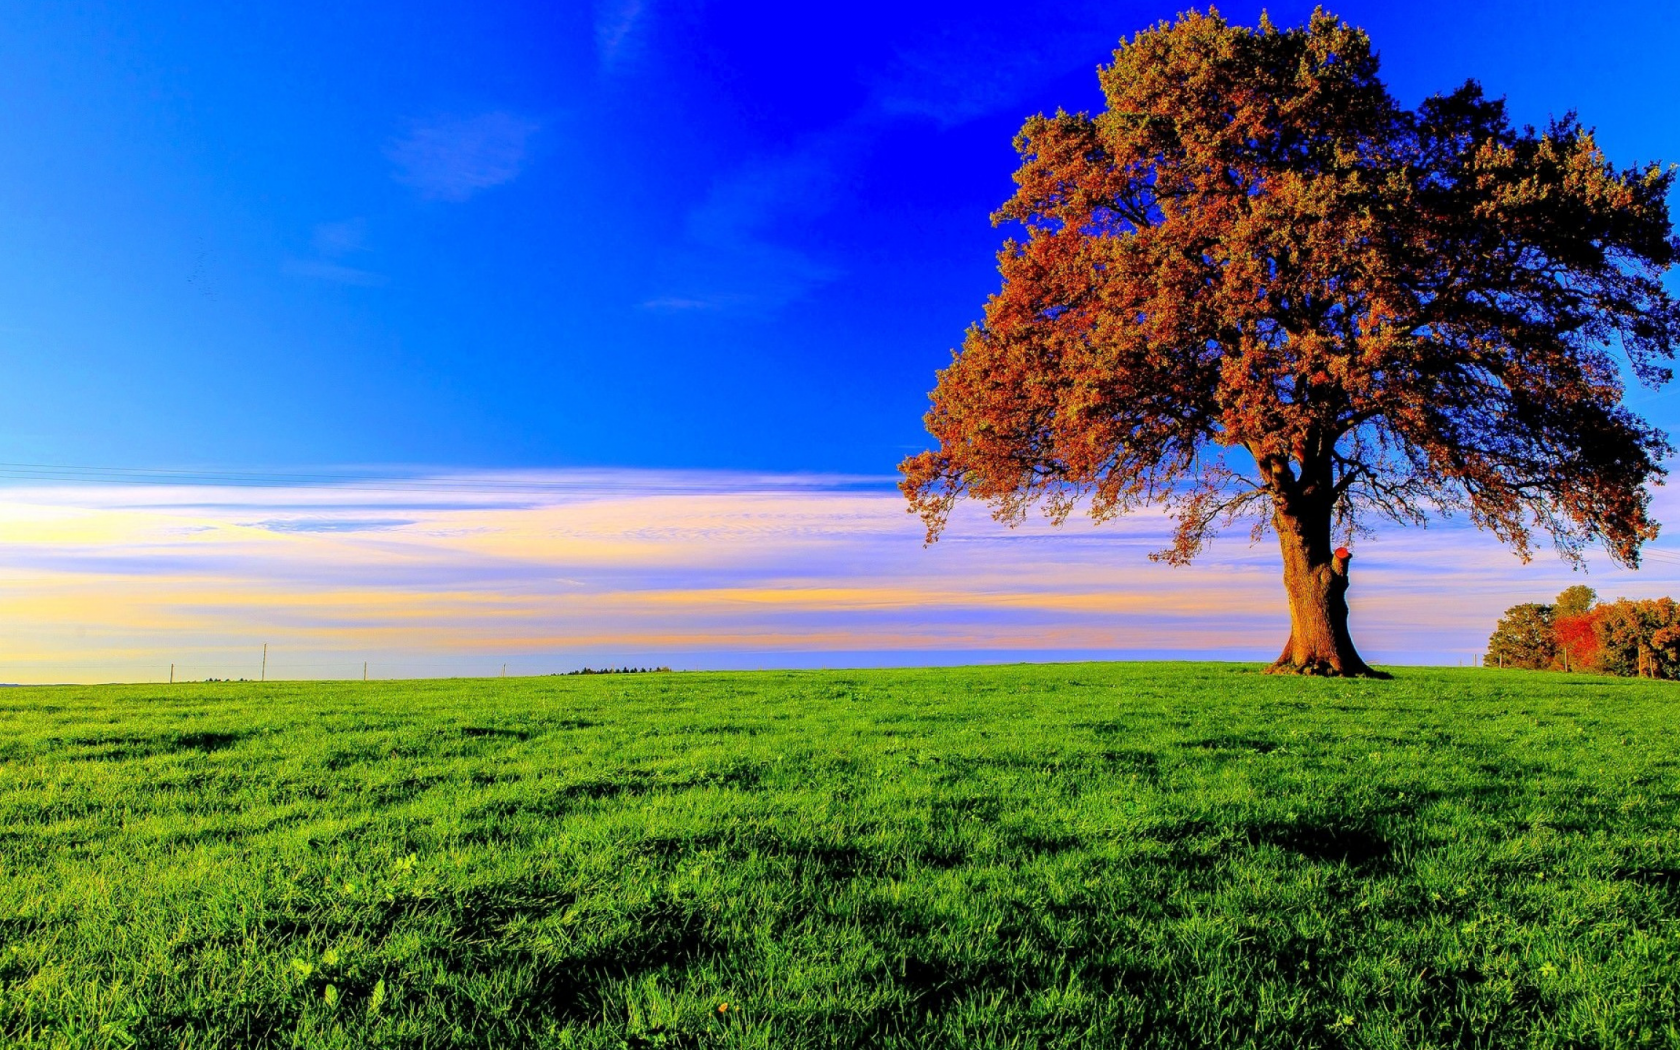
(743, 249)
(334, 239)
(734, 256)
(615, 28)
(685, 303)
(965, 70)
(456, 574)
(453, 158)
(737, 255)
(738, 252)
(337, 273)
(332, 524)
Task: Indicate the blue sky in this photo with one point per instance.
(642, 233)
(624, 314)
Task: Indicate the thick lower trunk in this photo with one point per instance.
(1316, 579)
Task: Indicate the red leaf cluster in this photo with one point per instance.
(1577, 640)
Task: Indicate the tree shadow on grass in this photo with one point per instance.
(1354, 844)
(1239, 744)
(495, 731)
(1357, 847)
(127, 748)
(664, 939)
(1666, 879)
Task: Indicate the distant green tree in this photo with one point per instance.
(1575, 600)
(1523, 638)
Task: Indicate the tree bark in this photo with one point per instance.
(1316, 579)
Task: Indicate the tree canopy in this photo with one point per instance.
(1523, 637)
(1575, 600)
(1256, 286)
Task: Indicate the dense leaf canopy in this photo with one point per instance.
(1256, 279)
(1524, 637)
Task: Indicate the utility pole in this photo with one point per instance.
(504, 670)
(364, 670)
(171, 674)
(264, 676)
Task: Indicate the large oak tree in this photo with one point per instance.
(1255, 285)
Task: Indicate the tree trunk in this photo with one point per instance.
(1316, 579)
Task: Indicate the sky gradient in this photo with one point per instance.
(650, 293)
(638, 233)
(556, 570)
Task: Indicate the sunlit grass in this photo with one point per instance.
(1135, 855)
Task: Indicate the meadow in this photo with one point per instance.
(1073, 855)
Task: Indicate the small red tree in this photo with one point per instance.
(1575, 627)
(1577, 641)
(1255, 285)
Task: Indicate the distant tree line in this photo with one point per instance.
(1635, 638)
(619, 670)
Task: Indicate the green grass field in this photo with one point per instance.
(1142, 855)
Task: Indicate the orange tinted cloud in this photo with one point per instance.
(551, 571)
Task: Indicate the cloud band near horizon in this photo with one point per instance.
(549, 571)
